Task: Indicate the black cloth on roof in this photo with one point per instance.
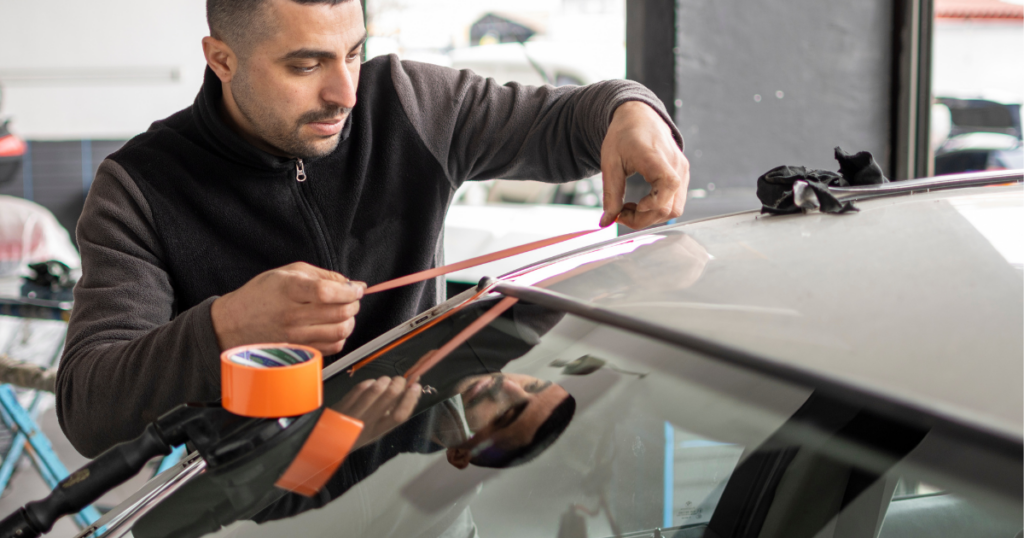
(794, 189)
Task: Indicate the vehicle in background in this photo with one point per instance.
(982, 135)
(487, 216)
(540, 62)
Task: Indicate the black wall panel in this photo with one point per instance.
(57, 175)
(772, 82)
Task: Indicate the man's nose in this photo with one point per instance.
(340, 87)
(515, 390)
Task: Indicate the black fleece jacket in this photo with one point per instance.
(188, 211)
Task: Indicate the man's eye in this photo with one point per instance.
(537, 386)
(505, 419)
(304, 68)
(508, 417)
(355, 55)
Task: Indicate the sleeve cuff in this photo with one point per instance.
(653, 102)
(201, 327)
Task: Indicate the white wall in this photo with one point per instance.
(75, 70)
(107, 69)
(979, 59)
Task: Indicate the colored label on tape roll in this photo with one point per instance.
(326, 447)
(271, 380)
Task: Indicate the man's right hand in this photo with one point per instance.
(297, 304)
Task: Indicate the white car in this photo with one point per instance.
(810, 375)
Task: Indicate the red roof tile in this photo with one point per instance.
(978, 9)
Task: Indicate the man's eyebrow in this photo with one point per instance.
(543, 385)
(359, 43)
(303, 54)
(314, 54)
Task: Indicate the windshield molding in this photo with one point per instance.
(909, 186)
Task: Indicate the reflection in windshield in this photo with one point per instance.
(546, 424)
(469, 409)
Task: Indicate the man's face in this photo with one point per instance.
(505, 409)
(296, 86)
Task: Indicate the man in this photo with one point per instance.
(256, 214)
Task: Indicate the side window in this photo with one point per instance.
(696, 474)
(921, 510)
(906, 489)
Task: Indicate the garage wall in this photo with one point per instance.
(73, 70)
(57, 175)
(770, 82)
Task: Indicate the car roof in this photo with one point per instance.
(917, 297)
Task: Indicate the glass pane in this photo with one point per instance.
(911, 488)
(546, 424)
(978, 85)
(936, 513)
(653, 438)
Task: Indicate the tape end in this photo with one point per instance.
(324, 450)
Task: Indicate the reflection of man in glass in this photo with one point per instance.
(513, 417)
(473, 410)
(481, 415)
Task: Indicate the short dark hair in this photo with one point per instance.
(548, 432)
(240, 23)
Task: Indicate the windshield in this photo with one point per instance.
(547, 424)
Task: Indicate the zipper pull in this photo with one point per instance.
(300, 171)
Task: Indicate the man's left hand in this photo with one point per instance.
(639, 141)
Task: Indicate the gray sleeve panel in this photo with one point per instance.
(126, 362)
(477, 129)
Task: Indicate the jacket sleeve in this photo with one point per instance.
(129, 356)
(478, 129)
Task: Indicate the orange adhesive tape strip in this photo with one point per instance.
(326, 447)
(430, 359)
(352, 370)
(271, 380)
(458, 266)
(473, 262)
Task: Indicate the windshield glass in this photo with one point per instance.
(547, 424)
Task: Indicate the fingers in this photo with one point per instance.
(381, 404)
(324, 332)
(667, 196)
(307, 289)
(383, 409)
(613, 179)
(320, 314)
(403, 410)
(347, 404)
(306, 283)
(639, 140)
(360, 399)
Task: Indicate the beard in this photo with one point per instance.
(282, 133)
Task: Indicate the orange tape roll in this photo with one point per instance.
(326, 447)
(271, 380)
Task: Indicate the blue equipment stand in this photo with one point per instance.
(22, 422)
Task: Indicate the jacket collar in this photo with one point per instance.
(226, 141)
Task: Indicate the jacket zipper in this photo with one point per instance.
(321, 234)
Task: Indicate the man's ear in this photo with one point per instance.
(458, 457)
(220, 58)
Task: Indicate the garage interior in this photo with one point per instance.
(751, 86)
